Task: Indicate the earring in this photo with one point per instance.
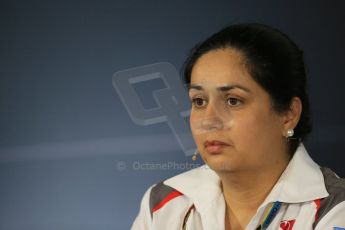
(195, 155)
(289, 133)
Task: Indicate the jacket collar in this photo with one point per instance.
(301, 181)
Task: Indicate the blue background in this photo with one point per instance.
(67, 143)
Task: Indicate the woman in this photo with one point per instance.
(249, 117)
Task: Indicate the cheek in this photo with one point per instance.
(192, 123)
(254, 130)
(195, 128)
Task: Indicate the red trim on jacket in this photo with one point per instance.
(317, 203)
(169, 197)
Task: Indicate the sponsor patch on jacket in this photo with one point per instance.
(287, 224)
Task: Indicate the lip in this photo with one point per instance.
(215, 146)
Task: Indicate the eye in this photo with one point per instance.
(198, 102)
(233, 101)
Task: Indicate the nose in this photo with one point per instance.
(211, 119)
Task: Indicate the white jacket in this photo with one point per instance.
(312, 198)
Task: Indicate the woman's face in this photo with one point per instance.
(232, 121)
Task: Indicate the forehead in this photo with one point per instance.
(221, 66)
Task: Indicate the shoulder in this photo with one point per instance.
(179, 185)
(170, 199)
(155, 198)
(332, 208)
(160, 195)
(176, 192)
(335, 186)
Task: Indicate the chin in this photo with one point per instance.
(219, 164)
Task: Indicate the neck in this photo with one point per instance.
(245, 191)
(248, 189)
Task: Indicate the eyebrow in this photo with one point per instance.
(220, 88)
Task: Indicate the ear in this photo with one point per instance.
(292, 116)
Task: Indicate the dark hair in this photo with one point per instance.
(272, 59)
